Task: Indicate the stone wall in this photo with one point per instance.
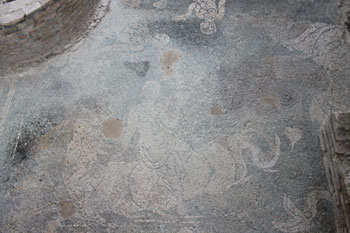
(335, 142)
(345, 18)
(34, 29)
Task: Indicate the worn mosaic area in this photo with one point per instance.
(178, 116)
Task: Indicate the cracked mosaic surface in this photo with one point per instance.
(178, 116)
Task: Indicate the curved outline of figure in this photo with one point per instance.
(165, 159)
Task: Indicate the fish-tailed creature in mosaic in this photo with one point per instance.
(169, 167)
(300, 221)
(319, 41)
(207, 10)
(175, 172)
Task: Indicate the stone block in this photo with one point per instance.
(10, 7)
(31, 7)
(12, 18)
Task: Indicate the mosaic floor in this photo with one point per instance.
(179, 116)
